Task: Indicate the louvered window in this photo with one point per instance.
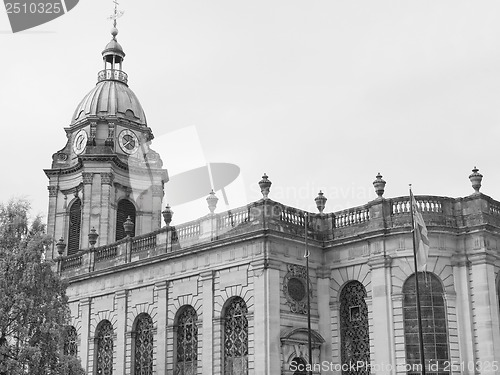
(75, 221)
(125, 209)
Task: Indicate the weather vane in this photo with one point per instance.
(116, 14)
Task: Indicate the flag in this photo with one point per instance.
(421, 237)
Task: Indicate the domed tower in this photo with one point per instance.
(107, 171)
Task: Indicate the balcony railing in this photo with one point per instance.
(380, 214)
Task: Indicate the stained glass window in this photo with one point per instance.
(70, 345)
(143, 345)
(354, 334)
(433, 322)
(236, 338)
(104, 348)
(187, 341)
(75, 219)
(125, 209)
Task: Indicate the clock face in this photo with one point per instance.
(128, 141)
(80, 141)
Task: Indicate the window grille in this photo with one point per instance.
(236, 338)
(75, 221)
(104, 348)
(187, 342)
(354, 333)
(125, 209)
(144, 345)
(70, 341)
(433, 323)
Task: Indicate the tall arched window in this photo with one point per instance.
(70, 341)
(104, 348)
(187, 341)
(75, 221)
(125, 209)
(236, 337)
(433, 321)
(354, 334)
(143, 353)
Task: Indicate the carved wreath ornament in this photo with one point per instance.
(295, 288)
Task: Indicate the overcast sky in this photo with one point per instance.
(317, 94)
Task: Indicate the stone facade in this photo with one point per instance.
(255, 251)
(227, 294)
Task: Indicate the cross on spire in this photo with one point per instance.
(116, 13)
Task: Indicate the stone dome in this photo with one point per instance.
(111, 97)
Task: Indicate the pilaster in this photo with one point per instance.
(121, 327)
(161, 347)
(207, 279)
(383, 329)
(86, 202)
(324, 325)
(485, 308)
(105, 232)
(267, 317)
(85, 332)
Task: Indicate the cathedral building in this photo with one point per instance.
(227, 293)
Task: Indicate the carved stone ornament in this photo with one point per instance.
(87, 177)
(107, 178)
(295, 288)
(157, 190)
(53, 190)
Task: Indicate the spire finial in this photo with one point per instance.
(116, 14)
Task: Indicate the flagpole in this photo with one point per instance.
(306, 255)
(419, 316)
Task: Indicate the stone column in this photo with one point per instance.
(484, 303)
(86, 209)
(383, 330)
(267, 317)
(121, 328)
(157, 191)
(207, 279)
(106, 235)
(161, 341)
(85, 333)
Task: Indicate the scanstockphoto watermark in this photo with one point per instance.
(26, 14)
(362, 366)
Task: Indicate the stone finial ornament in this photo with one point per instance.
(379, 185)
(265, 186)
(212, 201)
(320, 201)
(60, 246)
(128, 226)
(167, 215)
(475, 179)
(93, 237)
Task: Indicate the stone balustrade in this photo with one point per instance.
(274, 217)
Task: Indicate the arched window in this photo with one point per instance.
(187, 341)
(104, 348)
(236, 338)
(125, 209)
(143, 353)
(433, 321)
(70, 341)
(354, 334)
(75, 221)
